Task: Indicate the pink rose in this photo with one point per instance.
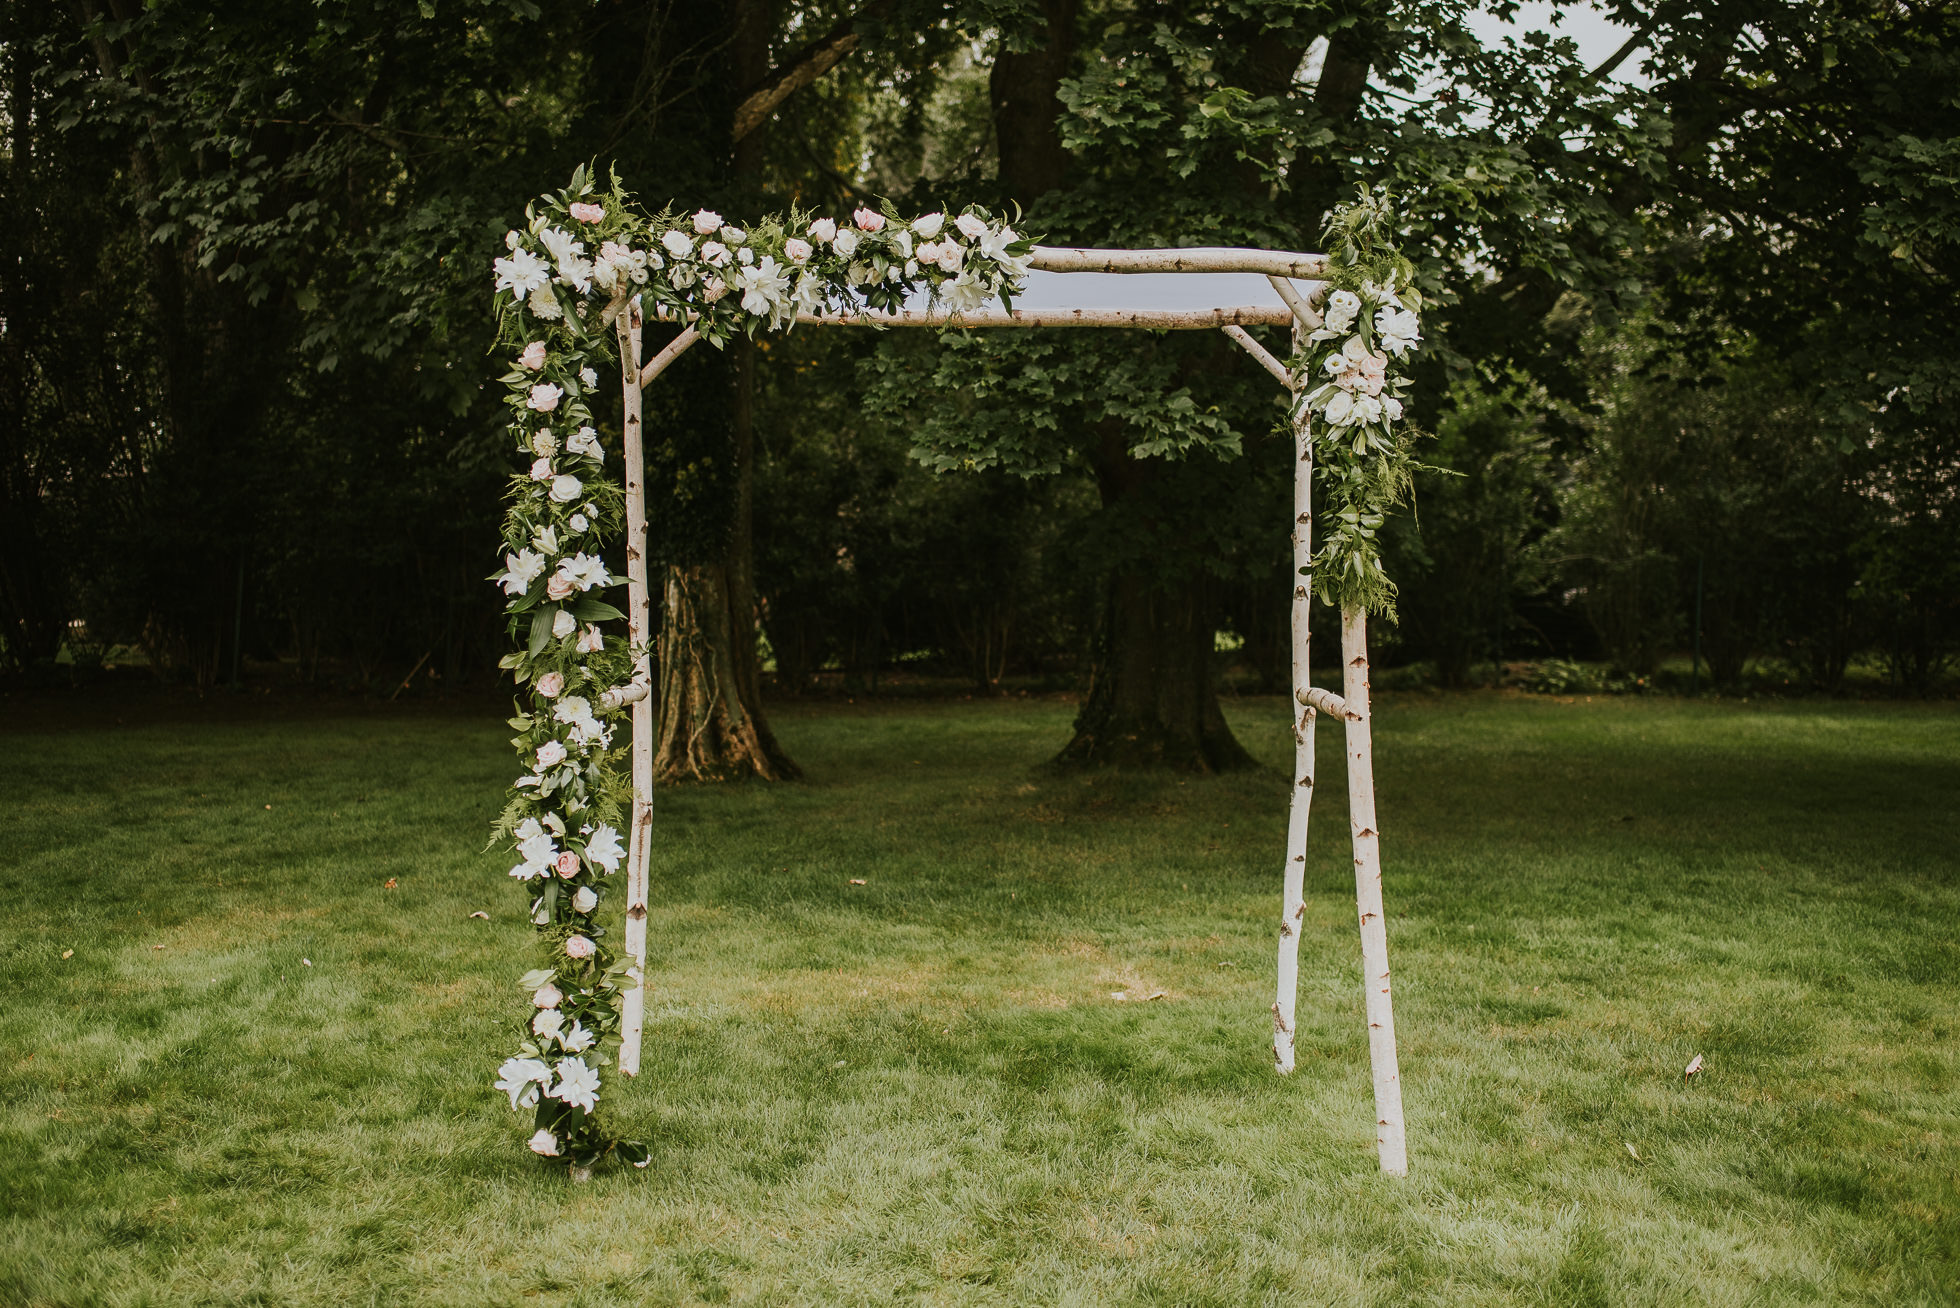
(970, 227)
(715, 254)
(588, 213)
(707, 222)
(797, 249)
(551, 685)
(541, 470)
(868, 220)
(928, 252)
(950, 257)
(533, 356)
(567, 864)
(591, 640)
(547, 996)
(545, 396)
(550, 754)
(560, 586)
(713, 289)
(563, 624)
(825, 230)
(580, 947)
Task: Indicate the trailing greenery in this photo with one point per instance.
(1581, 898)
(559, 309)
(1363, 462)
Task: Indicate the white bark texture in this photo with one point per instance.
(1274, 263)
(1292, 900)
(1185, 320)
(1390, 1144)
(1244, 340)
(638, 625)
(1303, 312)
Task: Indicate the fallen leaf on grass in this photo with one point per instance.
(67, 953)
(389, 884)
(1157, 994)
(480, 913)
(1693, 1067)
(307, 962)
(857, 881)
(156, 946)
(1634, 1152)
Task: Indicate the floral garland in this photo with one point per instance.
(560, 286)
(1369, 327)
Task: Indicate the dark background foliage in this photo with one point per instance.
(1691, 352)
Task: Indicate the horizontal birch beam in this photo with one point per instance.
(1274, 263)
(1261, 353)
(1326, 701)
(1251, 315)
(620, 696)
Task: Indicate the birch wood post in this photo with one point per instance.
(1390, 1144)
(1292, 900)
(638, 624)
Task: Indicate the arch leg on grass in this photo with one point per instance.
(1293, 903)
(1390, 1144)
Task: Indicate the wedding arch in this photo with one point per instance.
(580, 284)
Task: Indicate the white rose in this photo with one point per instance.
(545, 397)
(550, 754)
(825, 230)
(846, 243)
(929, 225)
(734, 235)
(715, 254)
(541, 470)
(584, 901)
(588, 376)
(547, 996)
(565, 488)
(970, 227)
(797, 249)
(1340, 409)
(950, 257)
(677, 243)
(563, 624)
(544, 1142)
(707, 222)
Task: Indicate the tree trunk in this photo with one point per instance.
(712, 727)
(1151, 702)
(708, 732)
(1021, 89)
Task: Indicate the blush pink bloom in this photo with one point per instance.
(541, 470)
(547, 996)
(825, 230)
(580, 947)
(797, 249)
(588, 213)
(591, 640)
(713, 289)
(560, 586)
(533, 356)
(551, 754)
(567, 864)
(545, 397)
(869, 220)
(707, 222)
(970, 227)
(551, 685)
(563, 624)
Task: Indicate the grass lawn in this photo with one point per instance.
(922, 1089)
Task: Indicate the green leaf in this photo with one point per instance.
(541, 630)
(592, 610)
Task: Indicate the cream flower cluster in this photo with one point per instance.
(1358, 391)
(732, 278)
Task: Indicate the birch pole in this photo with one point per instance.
(1293, 903)
(638, 624)
(1390, 1144)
